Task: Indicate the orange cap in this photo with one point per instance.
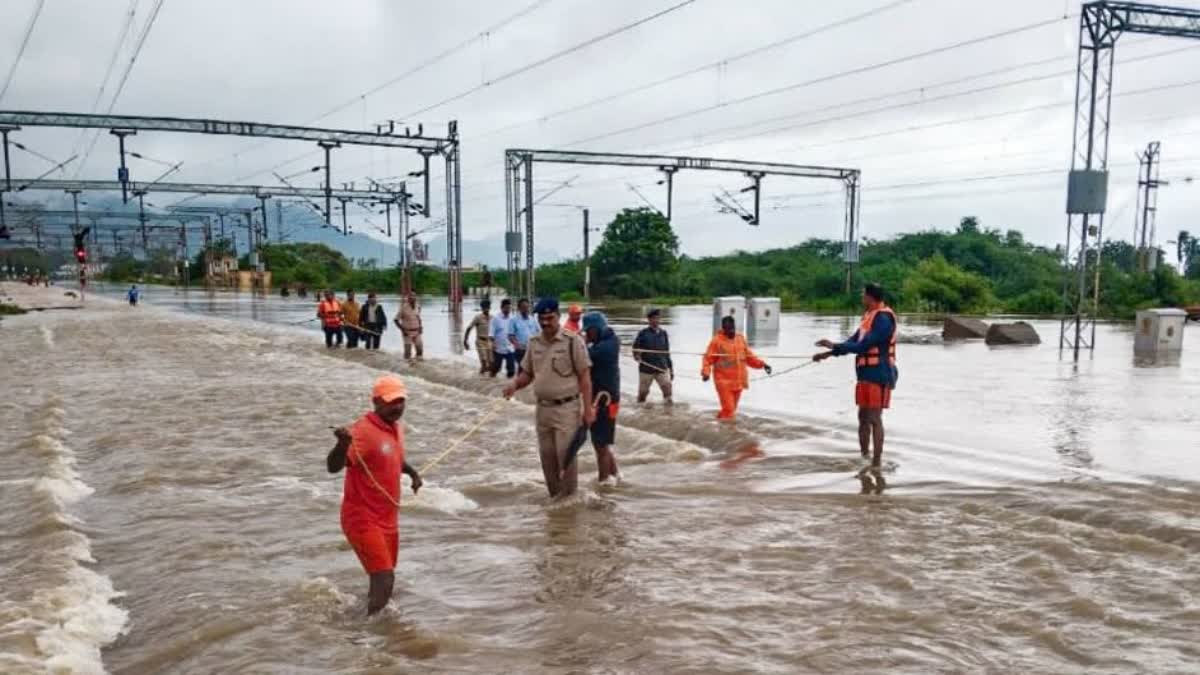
(389, 388)
(574, 309)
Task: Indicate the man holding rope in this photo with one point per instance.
(372, 451)
(652, 351)
(558, 366)
(874, 347)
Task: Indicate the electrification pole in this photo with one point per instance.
(587, 260)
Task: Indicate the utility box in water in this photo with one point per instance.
(762, 315)
(1159, 331)
(730, 305)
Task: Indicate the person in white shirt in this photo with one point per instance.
(503, 349)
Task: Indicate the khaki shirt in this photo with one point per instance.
(482, 325)
(548, 361)
(350, 312)
(410, 318)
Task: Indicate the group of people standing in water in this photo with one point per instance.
(573, 370)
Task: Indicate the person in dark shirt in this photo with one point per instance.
(874, 347)
(604, 350)
(652, 351)
(373, 320)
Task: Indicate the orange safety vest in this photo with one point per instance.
(871, 357)
(330, 312)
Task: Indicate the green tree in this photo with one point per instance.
(968, 225)
(938, 285)
(639, 250)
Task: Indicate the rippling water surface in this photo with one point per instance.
(165, 508)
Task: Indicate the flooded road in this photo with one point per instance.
(166, 509)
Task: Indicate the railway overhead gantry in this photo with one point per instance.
(1101, 24)
(518, 181)
(385, 135)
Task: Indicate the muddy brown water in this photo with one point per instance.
(164, 508)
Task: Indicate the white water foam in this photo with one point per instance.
(436, 498)
(77, 616)
(47, 335)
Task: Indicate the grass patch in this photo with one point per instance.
(10, 310)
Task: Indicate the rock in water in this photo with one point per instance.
(1019, 333)
(963, 328)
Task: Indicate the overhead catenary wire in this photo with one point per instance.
(774, 91)
(12, 71)
(551, 58)
(130, 14)
(437, 58)
(725, 61)
(137, 50)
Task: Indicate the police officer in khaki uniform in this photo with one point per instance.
(557, 365)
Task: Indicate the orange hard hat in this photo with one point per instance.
(389, 388)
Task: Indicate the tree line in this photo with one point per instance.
(972, 270)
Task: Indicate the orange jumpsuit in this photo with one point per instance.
(726, 360)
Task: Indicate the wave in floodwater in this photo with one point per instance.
(70, 610)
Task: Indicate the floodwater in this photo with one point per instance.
(165, 508)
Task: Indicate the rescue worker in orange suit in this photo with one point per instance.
(572, 324)
(725, 361)
(874, 347)
(372, 452)
(329, 311)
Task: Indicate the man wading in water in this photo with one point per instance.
(372, 450)
(874, 343)
(557, 365)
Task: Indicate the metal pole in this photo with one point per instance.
(123, 172)
(387, 210)
(458, 217)
(7, 163)
(75, 206)
(425, 154)
(279, 221)
(587, 259)
(263, 201)
(327, 146)
(221, 222)
(142, 217)
(670, 171)
(345, 227)
(530, 287)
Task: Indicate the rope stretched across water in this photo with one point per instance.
(433, 462)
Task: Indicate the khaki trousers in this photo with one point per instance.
(556, 425)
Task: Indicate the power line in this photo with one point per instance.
(112, 63)
(441, 56)
(137, 50)
(916, 90)
(512, 18)
(37, 12)
(819, 80)
(687, 73)
(552, 57)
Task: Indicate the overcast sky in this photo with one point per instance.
(926, 132)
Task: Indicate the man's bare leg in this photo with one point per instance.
(876, 418)
(606, 463)
(864, 432)
(380, 591)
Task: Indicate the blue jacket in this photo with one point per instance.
(880, 336)
(605, 354)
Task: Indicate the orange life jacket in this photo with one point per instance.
(331, 313)
(871, 357)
